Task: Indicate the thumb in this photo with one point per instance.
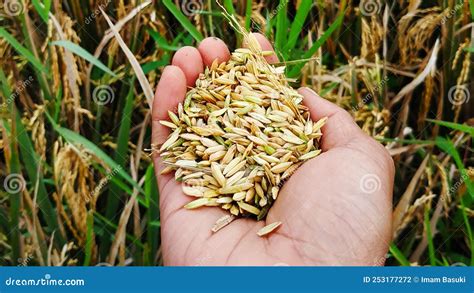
(340, 127)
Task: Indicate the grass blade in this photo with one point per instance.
(297, 25)
(103, 221)
(398, 255)
(162, 43)
(15, 193)
(447, 146)
(22, 50)
(229, 6)
(471, 6)
(76, 49)
(456, 126)
(120, 157)
(281, 27)
(248, 14)
(147, 90)
(30, 160)
(183, 20)
(153, 213)
(42, 9)
(295, 71)
(89, 238)
(77, 139)
(429, 236)
(468, 229)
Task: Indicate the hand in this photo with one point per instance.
(336, 209)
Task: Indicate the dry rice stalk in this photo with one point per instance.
(239, 133)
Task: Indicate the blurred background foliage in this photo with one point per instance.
(78, 186)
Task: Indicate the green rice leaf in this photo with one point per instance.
(448, 147)
(42, 9)
(281, 26)
(183, 20)
(296, 70)
(76, 49)
(398, 255)
(22, 50)
(162, 43)
(471, 6)
(470, 49)
(429, 236)
(248, 14)
(77, 139)
(297, 24)
(89, 238)
(229, 6)
(456, 126)
(468, 229)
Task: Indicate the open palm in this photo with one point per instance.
(335, 209)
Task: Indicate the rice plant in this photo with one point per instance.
(77, 77)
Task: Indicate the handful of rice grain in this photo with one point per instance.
(240, 134)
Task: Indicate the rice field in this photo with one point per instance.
(77, 79)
